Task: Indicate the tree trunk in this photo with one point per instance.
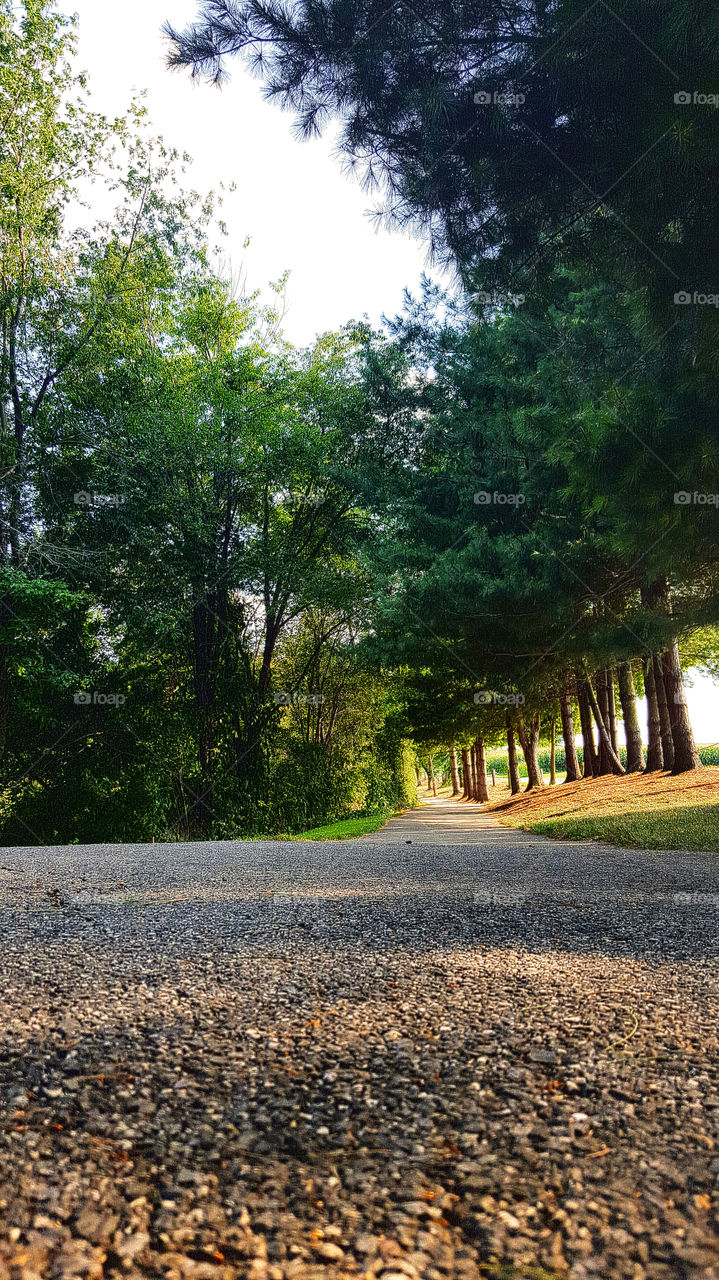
(455, 770)
(605, 742)
(570, 749)
(530, 745)
(632, 732)
(664, 721)
(5, 689)
(514, 779)
(468, 790)
(611, 704)
(473, 772)
(432, 779)
(473, 764)
(614, 761)
(204, 651)
(481, 768)
(611, 720)
(686, 756)
(553, 754)
(683, 754)
(591, 763)
(655, 755)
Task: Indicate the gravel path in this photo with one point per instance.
(371, 1058)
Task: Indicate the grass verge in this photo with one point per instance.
(347, 830)
(696, 828)
(639, 811)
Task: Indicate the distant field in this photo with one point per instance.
(497, 760)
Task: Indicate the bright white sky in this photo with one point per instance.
(301, 212)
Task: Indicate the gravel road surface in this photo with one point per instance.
(481, 1053)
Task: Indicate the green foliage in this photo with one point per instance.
(182, 504)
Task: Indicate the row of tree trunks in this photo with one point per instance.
(671, 742)
(686, 755)
(432, 780)
(678, 747)
(474, 772)
(591, 760)
(474, 763)
(480, 768)
(607, 753)
(600, 709)
(670, 739)
(665, 723)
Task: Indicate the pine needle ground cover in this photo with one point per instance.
(649, 811)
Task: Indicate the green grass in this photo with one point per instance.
(346, 830)
(682, 827)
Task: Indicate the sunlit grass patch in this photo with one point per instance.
(346, 830)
